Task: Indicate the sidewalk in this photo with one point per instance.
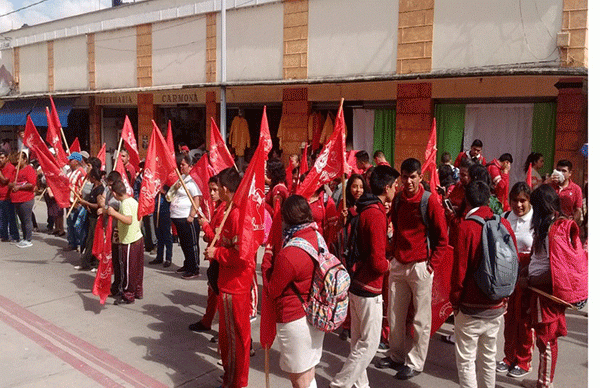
(55, 333)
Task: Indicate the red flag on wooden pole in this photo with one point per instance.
(102, 156)
(220, 158)
(55, 177)
(130, 143)
(159, 164)
(429, 164)
(304, 160)
(102, 249)
(75, 147)
(53, 138)
(201, 173)
(331, 162)
(529, 179)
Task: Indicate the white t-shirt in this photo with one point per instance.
(181, 204)
(521, 226)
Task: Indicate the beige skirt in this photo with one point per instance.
(300, 344)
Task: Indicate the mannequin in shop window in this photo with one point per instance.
(239, 135)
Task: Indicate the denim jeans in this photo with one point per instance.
(25, 211)
(8, 221)
(164, 236)
(74, 234)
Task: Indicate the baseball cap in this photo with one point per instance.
(75, 156)
(85, 154)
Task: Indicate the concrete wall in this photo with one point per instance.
(179, 51)
(254, 43)
(70, 64)
(475, 33)
(33, 68)
(358, 38)
(116, 59)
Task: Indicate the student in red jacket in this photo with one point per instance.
(235, 282)
(474, 154)
(411, 272)
(301, 344)
(499, 170)
(569, 192)
(366, 301)
(209, 228)
(22, 196)
(477, 317)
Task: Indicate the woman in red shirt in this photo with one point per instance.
(22, 196)
(290, 279)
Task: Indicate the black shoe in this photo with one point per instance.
(252, 352)
(406, 372)
(387, 362)
(198, 326)
(345, 334)
(182, 269)
(121, 300)
(190, 275)
(156, 261)
(167, 264)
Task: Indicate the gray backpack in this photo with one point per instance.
(497, 273)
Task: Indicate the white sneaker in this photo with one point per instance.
(25, 244)
(94, 270)
(16, 242)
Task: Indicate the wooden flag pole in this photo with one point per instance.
(65, 140)
(344, 193)
(77, 195)
(220, 228)
(18, 165)
(553, 298)
(119, 150)
(198, 210)
(267, 367)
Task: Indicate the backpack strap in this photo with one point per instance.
(423, 205)
(477, 219)
(505, 215)
(301, 243)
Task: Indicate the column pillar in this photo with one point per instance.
(414, 115)
(294, 120)
(145, 117)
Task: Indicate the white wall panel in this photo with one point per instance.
(179, 51)
(71, 64)
(116, 59)
(254, 43)
(475, 33)
(354, 38)
(6, 71)
(33, 66)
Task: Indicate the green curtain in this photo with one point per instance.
(384, 133)
(450, 124)
(543, 133)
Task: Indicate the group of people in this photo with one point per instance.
(391, 233)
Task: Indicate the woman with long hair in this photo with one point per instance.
(551, 272)
(289, 280)
(536, 160)
(278, 191)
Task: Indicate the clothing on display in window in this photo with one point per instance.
(239, 135)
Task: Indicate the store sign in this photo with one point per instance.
(174, 98)
(117, 99)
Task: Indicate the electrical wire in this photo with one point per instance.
(22, 8)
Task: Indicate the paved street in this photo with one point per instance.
(55, 333)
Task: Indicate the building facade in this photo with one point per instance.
(512, 73)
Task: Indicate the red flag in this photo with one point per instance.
(75, 147)
(528, 179)
(304, 160)
(159, 164)
(265, 133)
(54, 116)
(53, 138)
(170, 143)
(120, 168)
(331, 162)
(441, 308)
(102, 156)
(220, 158)
(289, 176)
(430, 162)
(130, 144)
(102, 249)
(200, 173)
(55, 177)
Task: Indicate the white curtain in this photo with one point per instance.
(362, 139)
(502, 128)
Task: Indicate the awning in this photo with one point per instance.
(15, 112)
(63, 107)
